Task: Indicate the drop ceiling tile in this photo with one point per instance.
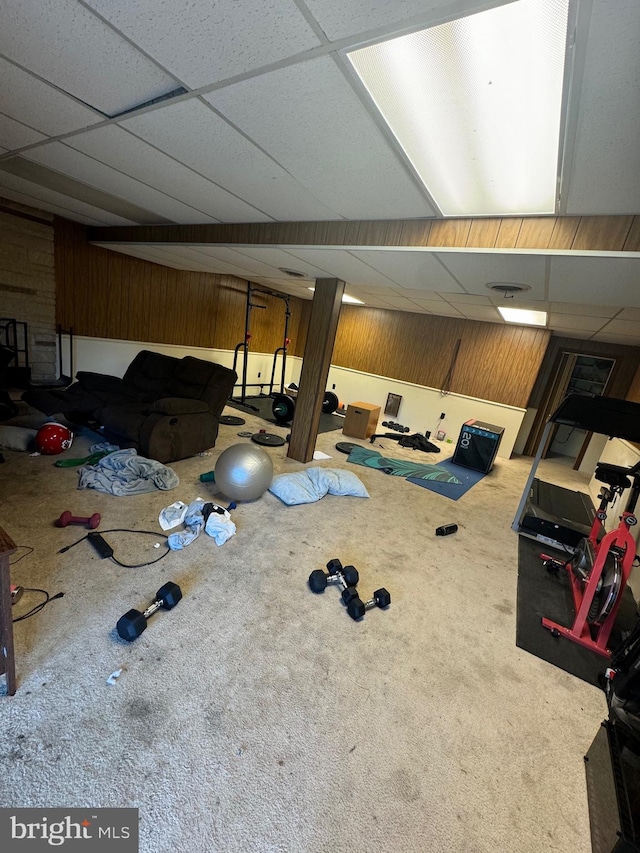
(202, 42)
(68, 161)
(33, 102)
(242, 260)
(585, 310)
(595, 281)
(605, 176)
(429, 306)
(479, 312)
(14, 134)
(420, 296)
(628, 314)
(622, 327)
(71, 208)
(586, 324)
(193, 134)
(447, 310)
(129, 154)
(339, 20)
(468, 298)
(67, 45)
(276, 258)
(612, 338)
(475, 270)
(410, 268)
(344, 265)
(573, 333)
(329, 142)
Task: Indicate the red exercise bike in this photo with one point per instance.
(601, 564)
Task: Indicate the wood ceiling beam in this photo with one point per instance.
(569, 233)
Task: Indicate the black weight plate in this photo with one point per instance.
(268, 438)
(283, 408)
(231, 420)
(345, 446)
(330, 403)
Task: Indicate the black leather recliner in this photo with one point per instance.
(167, 408)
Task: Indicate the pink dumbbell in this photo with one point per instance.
(66, 518)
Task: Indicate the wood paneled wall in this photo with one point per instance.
(109, 295)
(493, 362)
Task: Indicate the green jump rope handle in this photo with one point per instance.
(209, 477)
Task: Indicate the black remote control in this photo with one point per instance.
(101, 545)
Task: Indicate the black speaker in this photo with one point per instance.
(477, 446)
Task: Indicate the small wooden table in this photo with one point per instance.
(7, 660)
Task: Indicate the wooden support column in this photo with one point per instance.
(323, 324)
(7, 664)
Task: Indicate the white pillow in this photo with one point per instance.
(305, 487)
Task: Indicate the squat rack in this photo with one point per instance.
(243, 346)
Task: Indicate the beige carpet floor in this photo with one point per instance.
(257, 716)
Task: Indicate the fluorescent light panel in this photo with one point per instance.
(524, 316)
(476, 105)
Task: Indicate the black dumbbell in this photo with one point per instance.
(344, 576)
(356, 608)
(133, 623)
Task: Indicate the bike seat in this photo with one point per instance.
(613, 475)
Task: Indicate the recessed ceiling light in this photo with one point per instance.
(346, 298)
(523, 316)
(476, 105)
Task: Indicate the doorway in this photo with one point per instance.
(576, 373)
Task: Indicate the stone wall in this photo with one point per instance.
(27, 284)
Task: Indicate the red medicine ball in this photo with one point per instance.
(53, 438)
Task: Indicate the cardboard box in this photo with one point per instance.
(361, 420)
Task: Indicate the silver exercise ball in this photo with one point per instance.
(243, 472)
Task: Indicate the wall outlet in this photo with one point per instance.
(259, 374)
(333, 387)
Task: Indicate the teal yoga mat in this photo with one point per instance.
(464, 479)
(400, 467)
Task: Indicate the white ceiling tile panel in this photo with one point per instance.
(133, 156)
(193, 134)
(345, 266)
(622, 327)
(202, 42)
(429, 305)
(605, 176)
(610, 338)
(475, 270)
(598, 281)
(412, 269)
(278, 258)
(585, 324)
(628, 314)
(29, 100)
(479, 312)
(339, 19)
(329, 142)
(66, 206)
(82, 168)
(574, 333)
(420, 296)
(14, 134)
(468, 299)
(143, 252)
(575, 308)
(67, 45)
